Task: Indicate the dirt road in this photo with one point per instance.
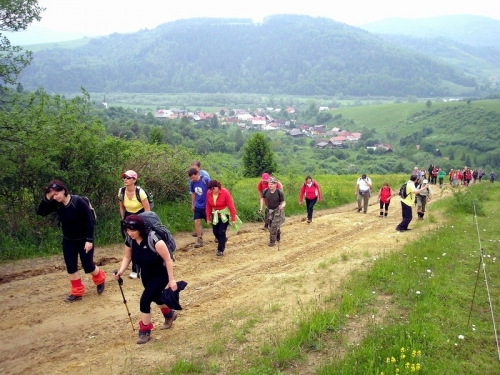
(232, 305)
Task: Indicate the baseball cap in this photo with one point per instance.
(265, 176)
(273, 180)
(130, 173)
(425, 182)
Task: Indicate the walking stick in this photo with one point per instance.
(120, 283)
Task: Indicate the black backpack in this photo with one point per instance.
(94, 216)
(158, 232)
(138, 196)
(402, 191)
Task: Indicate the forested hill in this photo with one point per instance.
(284, 55)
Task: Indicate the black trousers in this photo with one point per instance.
(407, 217)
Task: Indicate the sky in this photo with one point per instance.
(104, 17)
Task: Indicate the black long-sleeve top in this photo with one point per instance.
(76, 218)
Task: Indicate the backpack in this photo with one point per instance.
(402, 191)
(138, 196)
(94, 215)
(157, 231)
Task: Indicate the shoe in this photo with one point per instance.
(194, 234)
(100, 288)
(308, 221)
(364, 212)
(359, 209)
(271, 244)
(144, 337)
(169, 321)
(133, 275)
(264, 227)
(199, 243)
(216, 240)
(278, 236)
(220, 253)
(73, 298)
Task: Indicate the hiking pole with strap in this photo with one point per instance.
(120, 283)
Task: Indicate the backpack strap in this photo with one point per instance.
(122, 194)
(138, 193)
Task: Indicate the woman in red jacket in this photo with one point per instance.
(219, 206)
(384, 198)
(310, 189)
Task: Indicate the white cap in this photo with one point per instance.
(425, 181)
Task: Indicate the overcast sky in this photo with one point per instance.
(103, 17)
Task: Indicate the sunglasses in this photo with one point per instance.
(132, 225)
(128, 178)
(54, 186)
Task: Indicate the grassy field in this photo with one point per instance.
(435, 306)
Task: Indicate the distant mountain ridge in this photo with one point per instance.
(285, 54)
(465, 29)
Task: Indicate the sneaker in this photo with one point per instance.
(169, 321)
(308, 221)
(73, 298)
(100, 288)
(199, 243)
(264, 227)
(133, 275)
(194, 234)
(144, 337)
(216, 240)
(271, 244)
(359, 209)
(220, 253)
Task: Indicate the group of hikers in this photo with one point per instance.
(149, 252)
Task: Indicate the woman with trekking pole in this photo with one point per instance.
(132, 200)
(157, 273)
(77, 221)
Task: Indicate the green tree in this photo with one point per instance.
(258, 157)
(156, 136)
(428, 103)
(452, 155)
(15, 15)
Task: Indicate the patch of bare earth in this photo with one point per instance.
(232, 306)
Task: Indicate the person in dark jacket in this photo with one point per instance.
(157, 273)
(77, 222)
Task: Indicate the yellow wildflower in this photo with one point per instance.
(412, 367)
(417, 366)
(402, 350)
(407, 364)
(393, 360)
(413, 353)
(387, 360)
(403, 356)
(419, 353)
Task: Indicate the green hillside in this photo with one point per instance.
(285, 54)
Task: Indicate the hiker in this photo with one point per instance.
(363, 192)
(274, 199)
(157, 273)
(384, 198)
(77, 221)
(261, 186)
(129, 204)
(197, 164)
(219, 206)
(481, 175)
(407, 202)
(422, 198)
(493, 175)
(310, 189)
(198, 188)
(441, 175)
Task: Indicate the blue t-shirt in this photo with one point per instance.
(200, 189)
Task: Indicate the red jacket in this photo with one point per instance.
(385, 194)
(263, 185)
(223, 200)
(310, 192)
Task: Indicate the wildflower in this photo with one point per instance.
(403, 356)
(425, 258)
(388, 360)
(412, 367)
(407, 365)
(444, 254)
(417, 367)
(461, 337)
(397, 371)
(413, 353)
(419, 353)
(418, 292)
(429, 271)
(403, 350)
(393, 360)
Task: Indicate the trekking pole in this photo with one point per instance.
(120, 283)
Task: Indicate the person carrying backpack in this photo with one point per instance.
(274, 199)
(407, 202)
(363, 192)
(132, 200)
(261, 186)
(310, 189)
(384, 197)
(157, 273)
(198, 187)
(422, 198)
(78, 222)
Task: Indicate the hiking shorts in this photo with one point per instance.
(199, 213)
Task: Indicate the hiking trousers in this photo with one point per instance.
(310, 207)
(276, 218)
(407, 217)
(365, 197)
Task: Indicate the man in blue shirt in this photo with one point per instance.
(198, 187)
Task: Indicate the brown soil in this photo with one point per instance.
(232, 305)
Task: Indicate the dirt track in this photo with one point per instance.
(232, 304)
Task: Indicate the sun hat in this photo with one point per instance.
(130, 173)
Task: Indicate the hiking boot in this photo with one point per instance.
(216, 240)
(359, 209)
(169, 321)
(194, 234)
(264, 227)
(73, 298)
(144, 337)
(271, 244)
(308, 221)
(100, 288)
(278, 236)
(133, 275)
(220, 253)
(199, 243)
